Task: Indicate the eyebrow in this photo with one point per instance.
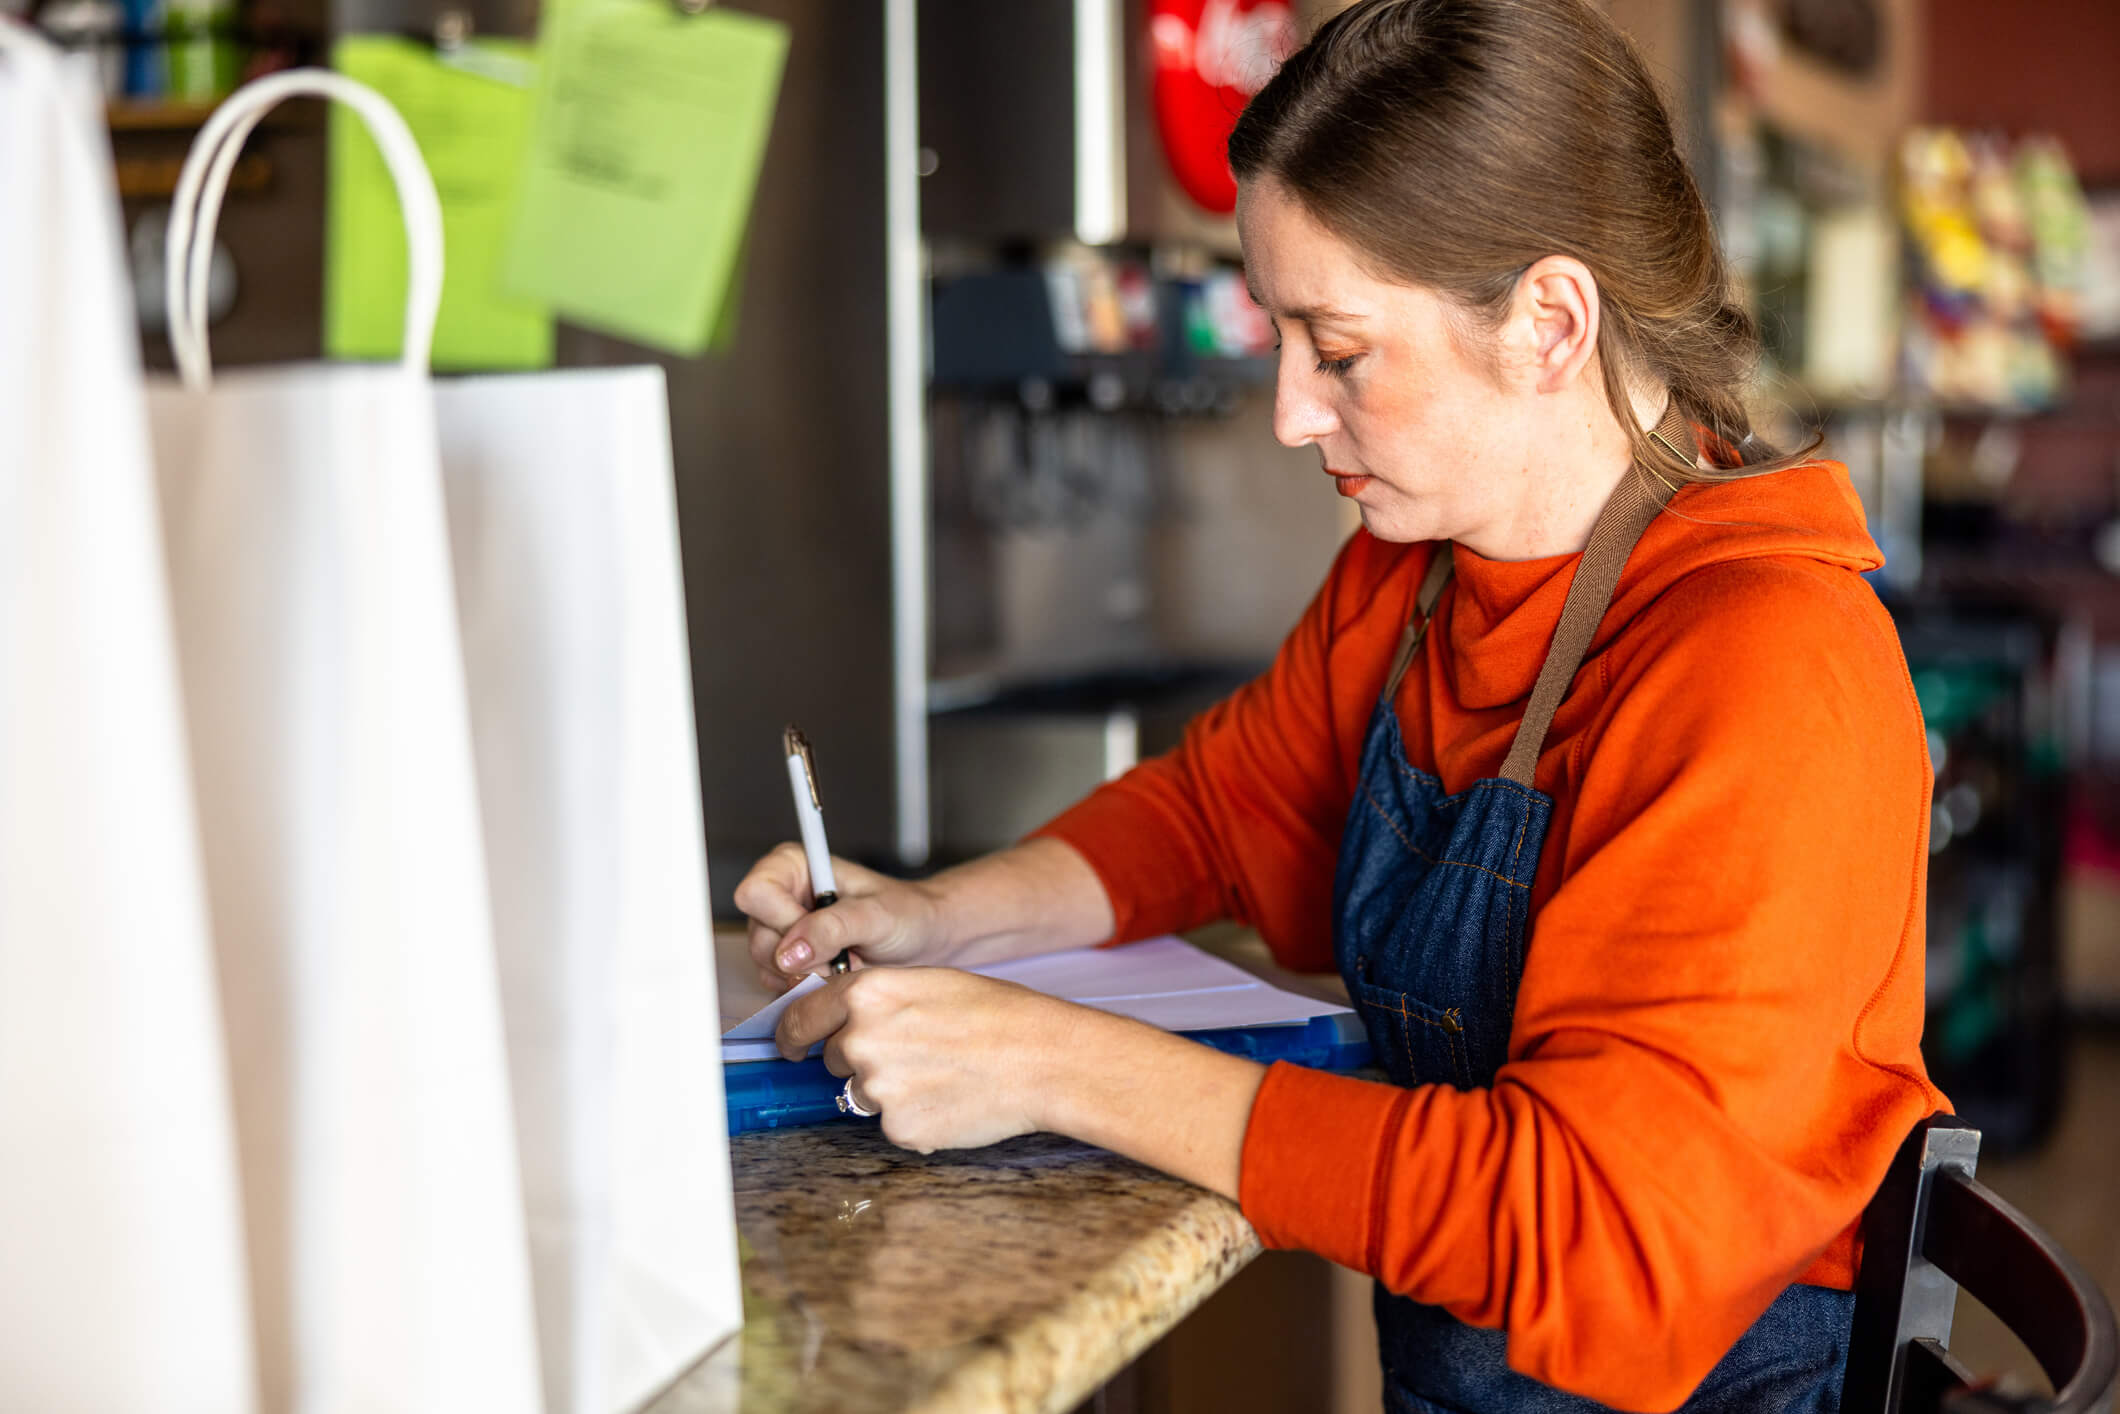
(1307, 313)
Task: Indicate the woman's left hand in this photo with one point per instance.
(952, 1059)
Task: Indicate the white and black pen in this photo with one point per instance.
(809, 817)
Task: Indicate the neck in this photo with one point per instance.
(1575, 455)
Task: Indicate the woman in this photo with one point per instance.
(1612, 814)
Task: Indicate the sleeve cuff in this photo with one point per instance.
(1317, 1162)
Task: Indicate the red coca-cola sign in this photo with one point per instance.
(1211, 57)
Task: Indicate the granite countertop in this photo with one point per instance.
(1014, 1278)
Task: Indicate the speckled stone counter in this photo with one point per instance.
(1016, 1278)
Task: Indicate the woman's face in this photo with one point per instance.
(1413, 414)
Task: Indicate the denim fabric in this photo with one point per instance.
(1789, 1362)
(1431, 905)
(1431, 909)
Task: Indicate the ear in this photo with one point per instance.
(1553, 319)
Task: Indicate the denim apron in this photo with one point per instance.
(1431, 907)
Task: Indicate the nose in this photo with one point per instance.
(1302, 413)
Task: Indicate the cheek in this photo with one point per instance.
(1441, 417)
(1395, 420)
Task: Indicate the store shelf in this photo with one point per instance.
(145, 116)
(142, 115)
(1088, 690)
(155, 178)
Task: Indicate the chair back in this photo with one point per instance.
(1933, 1229)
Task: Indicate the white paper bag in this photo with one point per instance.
(323, 677)
(121, 1258)
(563, 520)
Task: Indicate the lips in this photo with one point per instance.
(1348, 483)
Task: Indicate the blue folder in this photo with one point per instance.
(778, 1094)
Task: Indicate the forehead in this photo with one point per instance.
(1296, 268)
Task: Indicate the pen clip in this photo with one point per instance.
(794, 743)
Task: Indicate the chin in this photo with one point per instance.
(1396, 525)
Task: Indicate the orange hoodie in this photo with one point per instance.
(1716, 1043)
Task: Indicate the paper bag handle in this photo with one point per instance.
(16, 37)
(37, 57)
(195, 214)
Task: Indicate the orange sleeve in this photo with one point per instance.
(1715, 1049)
(1243, 818)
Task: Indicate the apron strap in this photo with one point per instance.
(1423, 611)
(1635, 502)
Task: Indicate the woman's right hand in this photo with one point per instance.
(885, 921)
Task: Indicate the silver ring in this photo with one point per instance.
(848, 1105)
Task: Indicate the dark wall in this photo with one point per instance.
(783, 485)
(2034, 66)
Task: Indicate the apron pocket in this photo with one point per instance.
(1419, 1044)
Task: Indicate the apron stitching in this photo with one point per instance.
(1497, 784)
(1457, 1061)
(1516, 855)
(1519, 930)
(1395, 752)
(1445, 801)
(1421, 778)
(1405, 1036)
(1462, 1071)
(1370, 796)
(1515, 951)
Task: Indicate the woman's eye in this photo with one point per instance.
(1337, 367)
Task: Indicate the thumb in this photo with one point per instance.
(863, 925)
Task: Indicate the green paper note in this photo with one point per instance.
(644, 155)
(724, 337)
(472, 124)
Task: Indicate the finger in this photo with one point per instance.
(797, 956)
(835, 1056)
(772, 980)
(852, 923)
(763, 941)
(810, 1019)
(777, 890)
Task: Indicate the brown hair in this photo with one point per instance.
(1453, 143)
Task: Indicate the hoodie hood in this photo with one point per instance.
(1502, 614)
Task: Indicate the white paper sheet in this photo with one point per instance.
(1165, 982)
